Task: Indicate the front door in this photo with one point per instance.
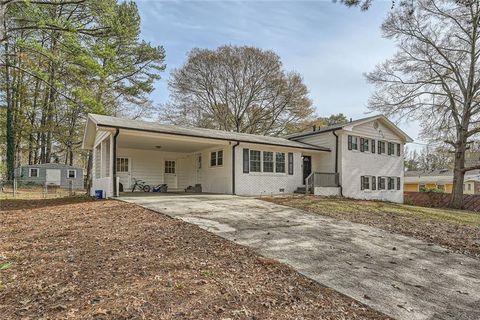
(53, 176)
(307, 167)
(170, 175)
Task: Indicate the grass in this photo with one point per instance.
(326, 205)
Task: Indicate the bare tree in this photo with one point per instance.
(240, 89)
(434, 77)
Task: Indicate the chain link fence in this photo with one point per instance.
(14, 189)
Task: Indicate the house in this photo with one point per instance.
(360, 159)
(55, 174)
(415, 181)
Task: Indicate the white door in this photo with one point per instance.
(53, 177)
(198, 169)
(170, 174)
(124, 166)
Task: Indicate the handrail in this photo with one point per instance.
(308, 179)
(321, 179)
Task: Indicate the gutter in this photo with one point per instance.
(114, 164)
(306, 147)
(233, 166)
(336, 161)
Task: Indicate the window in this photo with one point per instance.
(352, 143)
(255, 162)
(199, 162)
(391, 183)
(71, 174)
(290, 163)
(469, 187)
(169, 166)
(381, 183)
(33, 172)
(365, 145)
(216, 158)
(381, 147)
(267, 161)
(391, 148)
(280, 162)
(122, 165)
(364, 183)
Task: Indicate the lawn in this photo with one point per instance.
(455, 229)
(77, 258)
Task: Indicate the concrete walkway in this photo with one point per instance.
(397, 275)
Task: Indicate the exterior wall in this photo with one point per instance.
(149, 166)
(77, 182)
(326, 191)
(259, 183)
(104, 181)
(325, 161)
(355, 164)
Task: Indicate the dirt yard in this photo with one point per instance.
(454, 229)
(65, 258)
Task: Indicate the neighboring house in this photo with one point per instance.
(415, 181)
(361, 159)
(51, 174)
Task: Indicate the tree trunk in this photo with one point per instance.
(89, 171)
(456, 199)
(10, 119)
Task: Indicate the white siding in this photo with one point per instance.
(355, 164)
(325, 161)
(258, 183)
(101, 156)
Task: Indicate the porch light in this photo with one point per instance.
(158, 147)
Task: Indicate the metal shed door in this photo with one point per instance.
(53, 176)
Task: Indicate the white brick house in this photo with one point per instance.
(243, 164)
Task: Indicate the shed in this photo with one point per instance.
(51, 174)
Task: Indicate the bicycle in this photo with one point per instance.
(142, 185)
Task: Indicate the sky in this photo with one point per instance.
(330, 45)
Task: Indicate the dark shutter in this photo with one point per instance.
(373, 145)
(398, 183)
(379, 182)
(361, 182)
(389, 149)
(246, 160)
(290, 163)
(374, 185)
(362, 145)
(379, 147)
(349, 142)
(398, 149)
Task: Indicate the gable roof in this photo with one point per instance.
(349, 126)
(96, 120)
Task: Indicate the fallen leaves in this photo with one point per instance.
(74, 258)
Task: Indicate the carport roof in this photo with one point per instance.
(121, 123)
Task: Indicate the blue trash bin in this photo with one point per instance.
(98, 194)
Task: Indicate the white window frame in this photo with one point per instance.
(272, 161)
(284, 162)
(118, 167)
(30, 172)
(74, 174)
(259, 160)
(216, 152)
(170, 167)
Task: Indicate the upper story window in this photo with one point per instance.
(364, 144)
(33, 172)
(352, 143)
(216, 158)
(381, 147)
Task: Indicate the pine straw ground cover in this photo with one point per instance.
(455, 229)
(65, 258)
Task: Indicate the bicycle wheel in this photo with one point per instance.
(146, 188)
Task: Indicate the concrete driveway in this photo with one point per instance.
(397, 275)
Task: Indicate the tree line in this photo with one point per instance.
(61, 60)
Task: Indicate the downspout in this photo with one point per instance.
(233, 166)
(336, 161)
(114, 164)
